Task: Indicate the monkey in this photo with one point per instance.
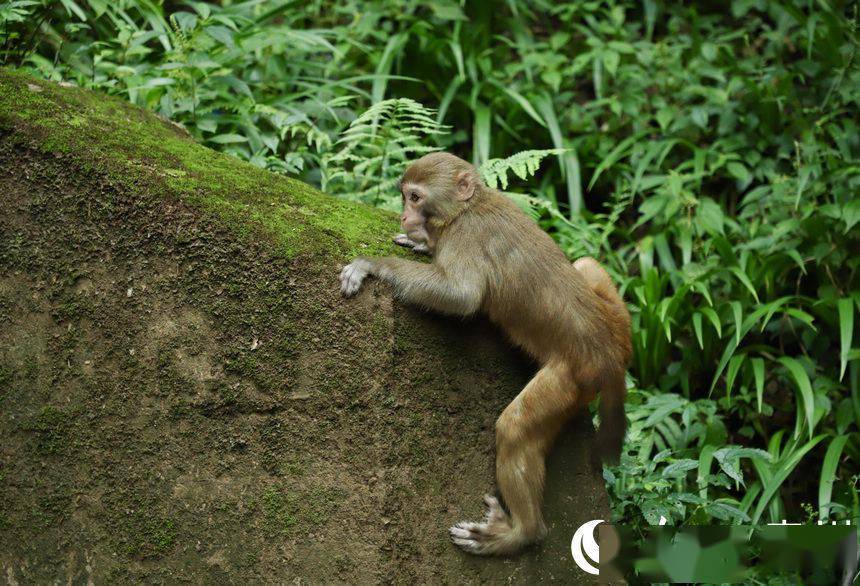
(489, 257)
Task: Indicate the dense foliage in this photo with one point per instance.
(707, 153)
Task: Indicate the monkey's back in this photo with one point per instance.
(532, 290)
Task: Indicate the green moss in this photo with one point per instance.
(5, 374)
(147, 536)
(294, 468)
(125, 144)
(279, 511)
(285, 511)
(51, 428)
(31, 367)
(52, 507)
(5, 380)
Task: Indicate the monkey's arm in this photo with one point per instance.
(418, 283)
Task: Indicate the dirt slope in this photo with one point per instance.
(184, 397)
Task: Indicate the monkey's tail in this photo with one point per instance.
(613, 422)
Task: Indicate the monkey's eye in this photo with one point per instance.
(413, 197)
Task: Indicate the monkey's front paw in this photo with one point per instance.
(406, 242)
(352, 276)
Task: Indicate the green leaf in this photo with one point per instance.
(739, 172)
(664, 117)
(697, 327)
(782, 471)
(613, 156)
(184, 20)
(448, 97)
(758, 373)
(679, 468)
(709, 215)
(568, 160)
(651, 152)
(228, 138)
(222, 34)
(447, 11)
(743, 278)
(726, 512)
(72, 7)
(705, 459)
(728, 352)
(383, 68)
(802, 316)
(523, 164)
(734, 365)
(481, 138)
(699, 117)
(846, 331)
(712, 316)
(806, 399)
(828, 475)
(737, 312)
(524, 103)
(729, 458)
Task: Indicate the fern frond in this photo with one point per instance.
(523, 164)
(378, 145)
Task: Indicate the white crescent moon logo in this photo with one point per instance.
(583, 540)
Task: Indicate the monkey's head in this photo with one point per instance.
(436, 189)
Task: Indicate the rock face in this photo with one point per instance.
(184, 396)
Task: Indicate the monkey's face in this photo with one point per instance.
(435, 189)
(413, 220)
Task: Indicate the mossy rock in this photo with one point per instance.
(186, 397)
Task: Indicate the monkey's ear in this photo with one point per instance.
(465, 185)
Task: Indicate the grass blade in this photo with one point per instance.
(828, 475)
(613, 156)
(380, 83)
(758, 374)
(846, 331)
(804, 388)
(481, 134)
(569, 161)
(782, 471)
(732, 372)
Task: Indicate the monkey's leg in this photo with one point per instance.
(525, 432)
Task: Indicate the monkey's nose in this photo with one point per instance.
(403, 219)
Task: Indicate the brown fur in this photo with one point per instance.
(490, 257)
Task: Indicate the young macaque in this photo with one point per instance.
(489, 256)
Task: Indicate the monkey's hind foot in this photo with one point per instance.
(493, 535)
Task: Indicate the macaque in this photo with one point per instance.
(490, 257)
